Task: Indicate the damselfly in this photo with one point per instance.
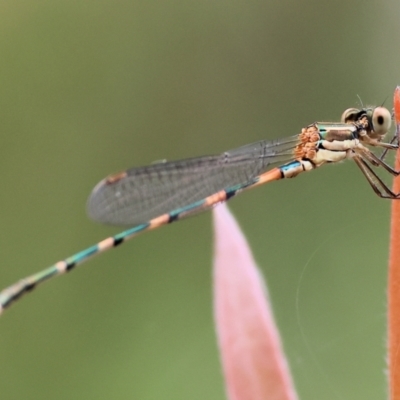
(149, 197)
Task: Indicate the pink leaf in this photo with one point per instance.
(254, 365)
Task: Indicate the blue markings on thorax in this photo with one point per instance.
(289, 166)
(339, 132)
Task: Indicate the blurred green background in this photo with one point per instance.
(89, 88)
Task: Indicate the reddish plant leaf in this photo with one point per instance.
(394, 277)
(253, 361)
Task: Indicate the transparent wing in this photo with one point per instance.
(140, 194)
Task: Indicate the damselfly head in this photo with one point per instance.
(379, 119)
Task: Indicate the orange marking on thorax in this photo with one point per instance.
(309, 138)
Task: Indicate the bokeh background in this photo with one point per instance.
(89, 88)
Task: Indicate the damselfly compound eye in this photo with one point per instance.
(350, 115)
(381, 120)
